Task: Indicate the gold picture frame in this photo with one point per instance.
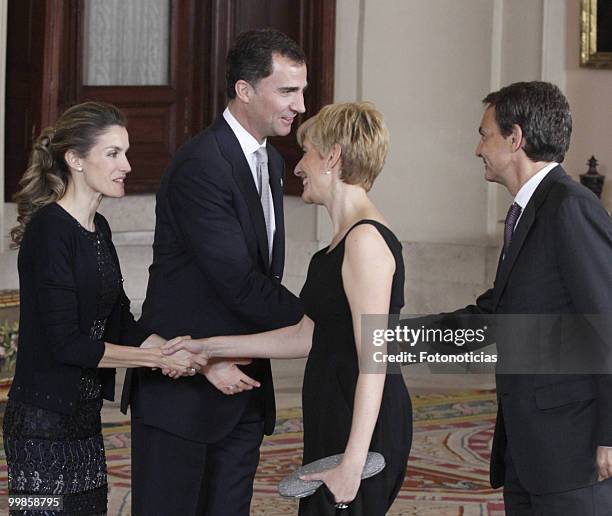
(596, 34)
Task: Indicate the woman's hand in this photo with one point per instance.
(197, 348)
(343, 481)
(178, 364)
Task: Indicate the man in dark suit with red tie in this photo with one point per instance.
(551, 300)
(218, 258)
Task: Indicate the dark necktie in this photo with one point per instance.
(513, 214)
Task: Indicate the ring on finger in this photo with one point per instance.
(191, 370)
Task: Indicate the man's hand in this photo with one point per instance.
(174, 366)
(604, 463)
(225, 375)
(196, 347)
(179, 364)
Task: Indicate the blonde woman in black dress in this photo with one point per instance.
(73, 308)
(361, 272)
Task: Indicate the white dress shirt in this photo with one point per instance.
(249, 146)
(526, 192)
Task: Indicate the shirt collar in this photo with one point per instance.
(524, 194)
(247, 142)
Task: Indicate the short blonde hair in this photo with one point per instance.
(359, 129)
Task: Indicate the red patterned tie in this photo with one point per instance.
(513, 214)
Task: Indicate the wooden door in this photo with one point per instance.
(24, 73)
(156, 93)
(169, 108)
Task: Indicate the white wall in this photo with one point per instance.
(589, 92)
(425, 65)
(522, 40)
(8, 259)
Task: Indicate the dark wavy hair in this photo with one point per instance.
(47, 176)
(250, 59)
(543, 114)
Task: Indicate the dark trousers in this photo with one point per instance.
(172, 475)
(594, 500)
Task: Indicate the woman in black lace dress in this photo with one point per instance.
(72, 307)
(346, 409)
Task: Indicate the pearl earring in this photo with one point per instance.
(327, 172)
(80, 169)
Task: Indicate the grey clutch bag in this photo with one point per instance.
(293, 487)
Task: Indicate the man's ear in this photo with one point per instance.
(516, 138)
(244, 91)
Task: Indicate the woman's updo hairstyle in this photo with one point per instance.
(47, 176)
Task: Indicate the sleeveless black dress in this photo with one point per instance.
(49, 453)
(330, 380)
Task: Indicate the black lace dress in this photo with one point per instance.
(49, 453)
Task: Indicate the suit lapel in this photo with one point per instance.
(528, 217)
(231, 150)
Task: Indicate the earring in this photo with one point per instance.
(327, 172)
(80, 169)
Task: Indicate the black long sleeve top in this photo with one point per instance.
(58, 284)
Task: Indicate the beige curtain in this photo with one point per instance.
(126, 42)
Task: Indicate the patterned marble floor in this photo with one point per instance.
(420, 381)
(288, 384)
(448, 467)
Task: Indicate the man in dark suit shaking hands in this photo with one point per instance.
(550, 450)
(218, 258)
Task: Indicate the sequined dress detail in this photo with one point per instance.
(49, 453)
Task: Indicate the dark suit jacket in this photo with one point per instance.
(58, 287)
(558, 269)
(210, 276)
